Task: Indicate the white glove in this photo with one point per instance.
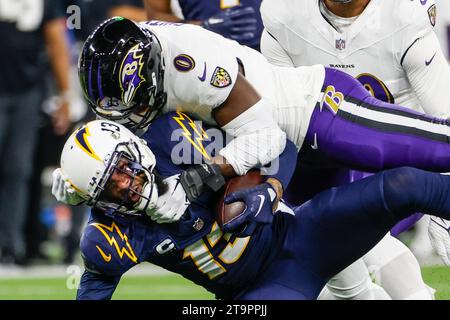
(439, 233)
(172, 204)
(63, 191)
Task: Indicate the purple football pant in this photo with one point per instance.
(359, 131)
(355, 130)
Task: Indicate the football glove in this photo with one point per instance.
(259, 201)
(63, 190)
(237, 23)
(171, 206)
(200, 178)
(439, 233)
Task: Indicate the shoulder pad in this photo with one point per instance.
(421, 14)
(106, 250)
(275, 15)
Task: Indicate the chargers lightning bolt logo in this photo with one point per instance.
(108, 233)
(81, 139)
(200, 134)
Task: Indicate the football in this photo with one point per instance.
(226, 212)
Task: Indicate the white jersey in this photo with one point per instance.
(391, 48)
(201, 68)
(442, 27)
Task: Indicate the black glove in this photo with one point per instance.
(200, 178)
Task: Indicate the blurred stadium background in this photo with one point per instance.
(49, 264)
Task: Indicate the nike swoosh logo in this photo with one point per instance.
(105, 257)
(203, 77)
(260, 204)
(427, 62)
(315, 146)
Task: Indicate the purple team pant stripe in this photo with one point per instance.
(389, 127)
(372, 103)
(367, 148)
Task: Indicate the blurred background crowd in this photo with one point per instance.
(41, 103)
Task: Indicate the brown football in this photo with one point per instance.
(226, 212)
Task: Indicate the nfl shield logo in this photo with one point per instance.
(340, 44)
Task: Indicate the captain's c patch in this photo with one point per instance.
(220, 78)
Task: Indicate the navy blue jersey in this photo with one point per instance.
(292, 258)
(202, 10)
(194, 247)
(23, 43)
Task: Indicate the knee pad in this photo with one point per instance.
(353, 283)
(394, 267)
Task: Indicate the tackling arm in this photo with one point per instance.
(247, 117)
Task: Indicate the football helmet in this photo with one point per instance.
(101, 150)
(121, 72)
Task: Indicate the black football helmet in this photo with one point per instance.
(121, 71)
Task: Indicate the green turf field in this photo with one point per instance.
(161, 287)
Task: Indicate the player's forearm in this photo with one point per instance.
(58, 50)
(225, 167)
(281, 170)
(258, 139)
(429, 74)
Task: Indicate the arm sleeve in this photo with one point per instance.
(257, 138)
(429, 74)
(95, 286)
(273, 51)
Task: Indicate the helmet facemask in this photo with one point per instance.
(138, 197)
